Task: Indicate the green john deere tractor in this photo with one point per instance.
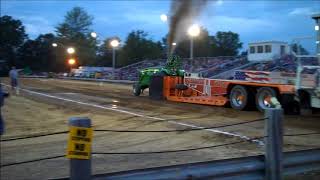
(172, 68)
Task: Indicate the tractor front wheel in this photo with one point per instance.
(136, 89)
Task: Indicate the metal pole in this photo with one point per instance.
(191, 47)
(274, 141)
(318, 39)
(113, 61)
(299, 68)
(80, 169)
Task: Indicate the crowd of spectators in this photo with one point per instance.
(131, 72)
(210, 66)
(224, 65)
(287, 63)
(207, 66)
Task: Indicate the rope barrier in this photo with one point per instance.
(34, 136)
(29, 161)
(181, 130)
(199, 148)
(302, 134)
(180, 150)
(157, 152)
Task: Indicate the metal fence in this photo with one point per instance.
(238, 168)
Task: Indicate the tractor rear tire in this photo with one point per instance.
(263, 97)
(136, 89)
(239, 98)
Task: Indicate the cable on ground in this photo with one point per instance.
(182, 130)
(180, 150)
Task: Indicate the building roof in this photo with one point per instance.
(268, 42)
(316, 16)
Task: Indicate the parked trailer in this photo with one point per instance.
(241, 95)
(248, 89)
(256, 90)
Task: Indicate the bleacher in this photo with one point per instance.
(223, 65)
(131, 72)
(287, 63)
(207, 66)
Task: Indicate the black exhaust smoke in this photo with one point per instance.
(182, 15)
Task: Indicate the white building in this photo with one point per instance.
(267, 51)
(86, 71)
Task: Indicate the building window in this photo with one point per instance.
(282, 50)
(252, 49)
(260, 49)
(267, 48)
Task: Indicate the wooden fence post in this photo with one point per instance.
(273, 143)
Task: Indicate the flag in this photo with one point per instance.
(257, 76)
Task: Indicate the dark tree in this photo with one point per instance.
(222, 44)
(139, 47)
(12, 36)
(226, 44)
(76, 21)
(303, 51)
(75, 32)
(105, 52)
(38, 54)
(201, 45)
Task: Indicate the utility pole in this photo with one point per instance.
(316, 17)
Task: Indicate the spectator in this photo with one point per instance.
(2, 96)
(13, 74)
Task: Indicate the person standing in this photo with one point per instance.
(2, 96)
(13, 74)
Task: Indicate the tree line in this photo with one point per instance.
(16, 49)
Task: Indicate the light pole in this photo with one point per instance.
(164, 17)
(316, 17)
(71, 62)
(70, 50)
(114, 43)
(193, 31)
(93, 34)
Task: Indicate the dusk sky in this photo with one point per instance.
(253, 20)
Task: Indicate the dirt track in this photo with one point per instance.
(32, 114)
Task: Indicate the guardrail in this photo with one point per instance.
(252, 167)
(85, 79)
(98, 80)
